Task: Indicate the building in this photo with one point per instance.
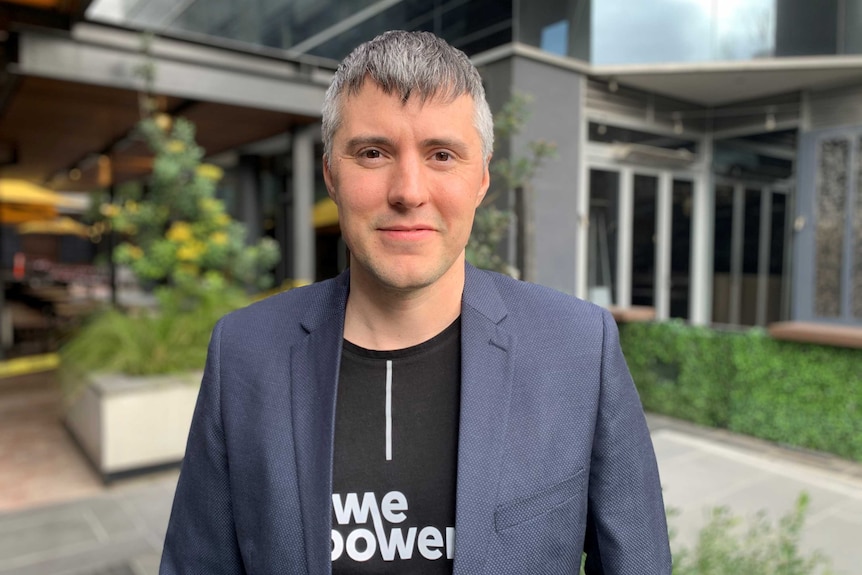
(709, 151)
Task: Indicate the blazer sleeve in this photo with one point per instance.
(626, 523)
(201, 537)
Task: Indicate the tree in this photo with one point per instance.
(179, 232)
(513, 175)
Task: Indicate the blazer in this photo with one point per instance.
(554, 456)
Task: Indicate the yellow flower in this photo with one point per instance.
(222, 219)
(109, 210)
(219, 238)
(176, 146)
(131, 207)
(163, 121)
(179, 232)
(190, 251)
(136, 253)
(210, 172)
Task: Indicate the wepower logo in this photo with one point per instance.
(384, 535)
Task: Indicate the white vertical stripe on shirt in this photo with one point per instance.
(388, 410)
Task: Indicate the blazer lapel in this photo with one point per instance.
(314, 379)
(486, 380)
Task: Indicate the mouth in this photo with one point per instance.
(407, 233)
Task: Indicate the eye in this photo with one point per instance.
(442, 156)
(370, 154)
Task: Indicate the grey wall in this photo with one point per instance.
(555, 116)
(837, 107)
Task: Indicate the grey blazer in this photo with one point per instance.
(554, 456)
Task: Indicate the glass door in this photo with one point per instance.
(640, 240)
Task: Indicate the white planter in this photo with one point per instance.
(130, 423)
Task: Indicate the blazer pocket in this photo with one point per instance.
(522, 510)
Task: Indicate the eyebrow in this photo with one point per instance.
(359, 141)
(457, 145)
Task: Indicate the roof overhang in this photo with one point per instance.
(70, 99)
(706, 83)
(723, 83)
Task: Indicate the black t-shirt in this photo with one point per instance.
(394, 468)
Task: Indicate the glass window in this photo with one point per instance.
(832, 167)
(560, 27)
(775, 287)
(750, 257)
(322, 28)
(604, 225)
(606, 134)
(680, 259)
(643, 240)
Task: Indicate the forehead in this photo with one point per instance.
(371, 107)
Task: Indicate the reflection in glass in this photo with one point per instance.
(626, 32)
(775, 297)
(321, 28)
(604, 224)
(643, 240)
(832, 169)
(680, 258)
(750, 257)
(721, 253)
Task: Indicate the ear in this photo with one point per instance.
(329, 179)
(486, 180)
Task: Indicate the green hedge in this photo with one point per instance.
(797, 394)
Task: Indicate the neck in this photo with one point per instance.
(385, 319)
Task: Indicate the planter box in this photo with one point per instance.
(127, 424)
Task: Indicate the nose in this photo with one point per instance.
(408, 188)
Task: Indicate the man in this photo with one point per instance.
(415, 415)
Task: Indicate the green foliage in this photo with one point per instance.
(174, 339)
(803, 395)
(179, 233)
(727, 547)
(763, 548)
(508, 174)
(489, 227)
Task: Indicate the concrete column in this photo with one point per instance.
(625, 217)
(702, 237)
(303, 201)
(664, 236)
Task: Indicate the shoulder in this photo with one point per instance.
(526, 300)
(283, 315)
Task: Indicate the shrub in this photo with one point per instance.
(146, 342)
(803, 395)
(763, 548)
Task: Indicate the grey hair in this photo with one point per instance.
(407, 64)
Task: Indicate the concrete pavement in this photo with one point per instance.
(120, 531)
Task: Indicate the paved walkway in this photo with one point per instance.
(118, 530)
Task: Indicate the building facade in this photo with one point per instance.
(709, 152)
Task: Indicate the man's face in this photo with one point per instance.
(407, 179)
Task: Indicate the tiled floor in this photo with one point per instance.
(39, 463)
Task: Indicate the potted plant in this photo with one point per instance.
(130, 377)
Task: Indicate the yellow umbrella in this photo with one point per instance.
(57, 227)
(21, 201)
(17, 213)
(27, 193)
(325, 213)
